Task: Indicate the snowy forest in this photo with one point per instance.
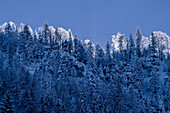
(50, 70)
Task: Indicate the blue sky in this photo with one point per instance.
(96, 20)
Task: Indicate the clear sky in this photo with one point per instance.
(96, 20)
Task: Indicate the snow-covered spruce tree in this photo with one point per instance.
(42, 105)
(29, 43)
(138, 40)
(25, 102)
(92, 93)
(167, 87)
(108, 55)
(45, 33)
(152, 59)
(97, 48)
(70, 42)
(8, 30)
(26, 43)
(81, 53)
(127, 76)
(108, 104)
(147, 106)
(65, 46)
(160, 100)
(51, 39)
(39, 49)
(83, 100)
(131, 46)
(79, 77)
(6, 104)
(1, 66)
(129, 88)
(120, 55)
(107, 73)
(75, 53)
(58, 40)
(137, 70)
(27, 33)
(118, 94)
(99, 55)
(90, 57)
(9, 48)
(36, 45)
(3, 40)
(126, 51)
(90, 49)
(162, 43)
(10, 61)
(3, 88)
(120, 43)
(154, 75)
(138, 77)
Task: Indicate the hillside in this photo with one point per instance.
(50, 70)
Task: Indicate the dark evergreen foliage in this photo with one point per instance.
(52, 71)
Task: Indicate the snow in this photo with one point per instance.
(115, 39)
(64, 33)
(87, 41)
(21, 28)
(61, 31)
(13, 25)
(2, 27)
(52, 29)
(61, 76)
(69, 30)
(144, 42)
(35, 32)
(162, 38)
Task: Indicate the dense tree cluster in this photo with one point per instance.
(52, 71)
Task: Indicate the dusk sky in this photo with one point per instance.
(96, 20)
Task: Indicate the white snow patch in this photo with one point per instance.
(115, 39)
(21, 28)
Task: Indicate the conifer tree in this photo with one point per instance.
(138, 40)
(70, 42)
(152, 59)
(81, 53)
(131, 46)
(99, 55)
(45, 33)
(58, 38)
(65, 46)
(167, 88)
(8, 30)
(108, 55)
(6, 105)
(120, 41)
(75, 46)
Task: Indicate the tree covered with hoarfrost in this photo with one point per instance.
(50, 70)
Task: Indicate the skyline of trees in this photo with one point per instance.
(51, 70)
